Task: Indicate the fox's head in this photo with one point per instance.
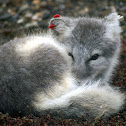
(92, 43)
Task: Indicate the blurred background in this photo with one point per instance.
(16, 15)
(28, 15)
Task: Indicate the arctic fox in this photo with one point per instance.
(66, 71)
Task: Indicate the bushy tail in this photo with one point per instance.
(98, 100)
(94, 99)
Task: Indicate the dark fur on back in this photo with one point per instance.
(22, 75)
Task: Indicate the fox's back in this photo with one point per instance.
(28, 66)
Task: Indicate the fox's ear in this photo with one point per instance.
(112, 24)
(113, 18)
(60, 25)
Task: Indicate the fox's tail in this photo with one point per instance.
(94, 99)
(98, 100)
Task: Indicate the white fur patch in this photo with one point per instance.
(31, 43)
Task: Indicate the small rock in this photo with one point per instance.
(62, 6)
(10, 11)
(60, 1)
(1, 10)
(69, 5)
(24, 7)
(42, 25)
(37, 16)
(44, 4)
(46, 14)
(14, 18)
(5, 1)
(84, 11)
(32, 24)
(21, 20)
(36, 1)
(28, 15)
(5, 17)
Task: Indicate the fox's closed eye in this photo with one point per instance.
(95, 57)
(71, 55)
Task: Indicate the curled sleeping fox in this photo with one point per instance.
(67, 70)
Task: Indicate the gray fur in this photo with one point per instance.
(37, 73)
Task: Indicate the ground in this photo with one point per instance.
(17, 16)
